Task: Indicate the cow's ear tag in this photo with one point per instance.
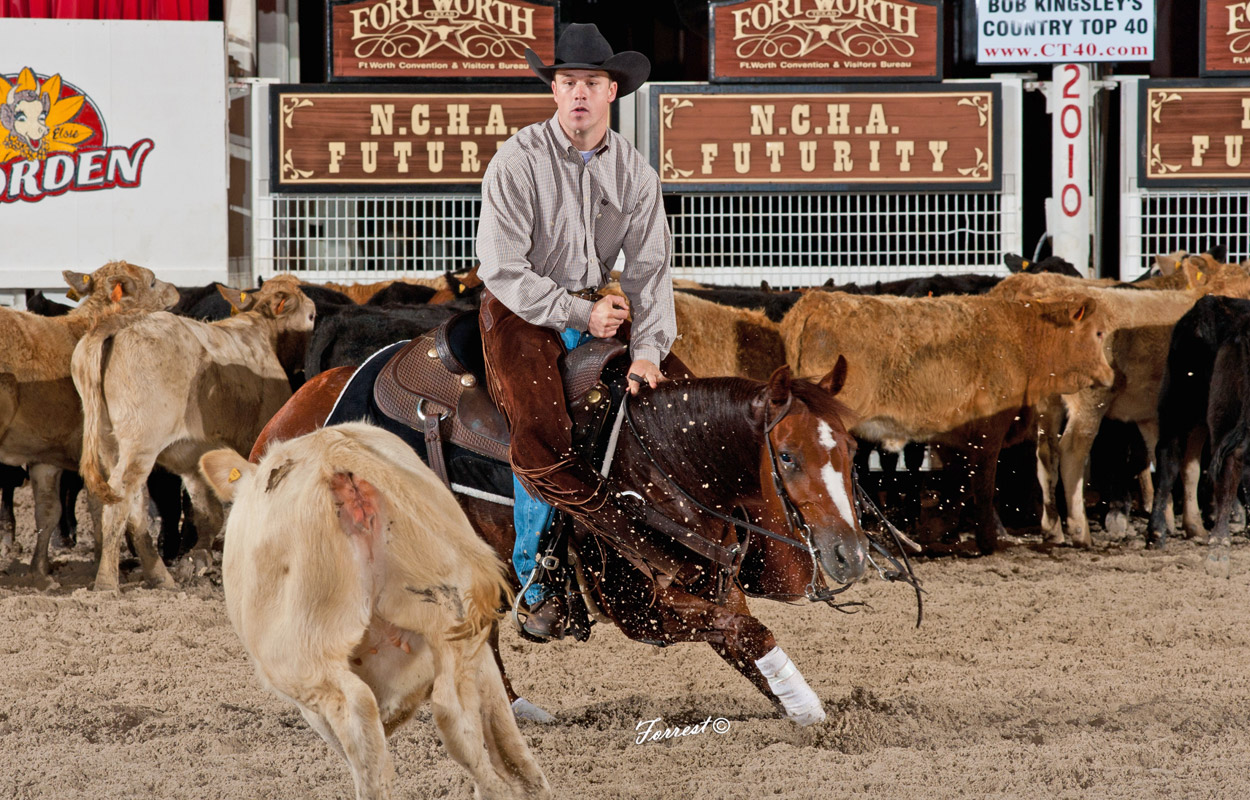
(1024, 265)
(242, 297)
(235, 474)
(281, 305)
(117, 294)
(1080, 315)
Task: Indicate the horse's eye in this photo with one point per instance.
(786, 459)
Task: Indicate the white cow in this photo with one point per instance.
(360, 591)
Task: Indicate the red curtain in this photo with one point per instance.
(106, 9)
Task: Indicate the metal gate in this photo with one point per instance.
(1156, 221)
(787, 239)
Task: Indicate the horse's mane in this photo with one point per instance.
(821, 403)
(706, 427)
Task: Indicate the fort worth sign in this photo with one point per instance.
(844, 40)
(418, 39)
(790, 137)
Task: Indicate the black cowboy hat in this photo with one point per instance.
(583, 47)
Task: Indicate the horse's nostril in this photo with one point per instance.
(839, 552)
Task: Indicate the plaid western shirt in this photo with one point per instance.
(552, 225)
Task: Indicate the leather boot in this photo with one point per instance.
(546, 620)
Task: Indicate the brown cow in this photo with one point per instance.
(1139, 328)
(40, 415)
(723, 341)
(167, 389)
(360, 591)
(961, 371)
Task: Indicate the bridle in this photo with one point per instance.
(800, 533)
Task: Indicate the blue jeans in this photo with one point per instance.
(532, 517)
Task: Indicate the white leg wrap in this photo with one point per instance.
(797, 698)
(524, 709)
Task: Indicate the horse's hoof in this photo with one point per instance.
(808, 718)
(525, 710)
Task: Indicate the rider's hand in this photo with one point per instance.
(607, 315)
(648, 371)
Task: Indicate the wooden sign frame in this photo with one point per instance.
(793, 37)
(1205, 56)
(990, 118)
(472, 44)
(289, 101)
(1171, 105)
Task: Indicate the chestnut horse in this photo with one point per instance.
(776, 454)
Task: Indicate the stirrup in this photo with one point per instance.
(547, 563)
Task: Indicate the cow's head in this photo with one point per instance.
(119, 285)
(1077, 359)
(279, 299)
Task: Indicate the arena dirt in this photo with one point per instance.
(1116, 673)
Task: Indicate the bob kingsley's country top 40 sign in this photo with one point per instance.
(786, 137)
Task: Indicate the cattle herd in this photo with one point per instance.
(142, 381)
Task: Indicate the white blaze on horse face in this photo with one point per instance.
(832, 477)
(826, 435)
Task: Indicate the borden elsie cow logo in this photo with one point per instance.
(53, 140)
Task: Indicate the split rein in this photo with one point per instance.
(799, 529)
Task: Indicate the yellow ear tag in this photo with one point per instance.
(71, 294)
(242, 297)
(1199, 275)
(235, 475)
(1024, 264)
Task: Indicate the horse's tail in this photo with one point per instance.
(87, 369)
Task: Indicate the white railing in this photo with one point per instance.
(1158, 221)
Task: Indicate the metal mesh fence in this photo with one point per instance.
(796, 240)
(1194, 221)
(789, 240)
(367, 237)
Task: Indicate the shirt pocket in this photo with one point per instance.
(611, 224)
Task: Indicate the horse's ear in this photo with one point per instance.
(836, 379)
(779, 385)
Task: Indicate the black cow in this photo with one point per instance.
(1054, 264)
(773, 304)
(352, 335)
(403, 294)
(36, 303)
(1190, 405)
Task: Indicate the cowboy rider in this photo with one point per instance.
(560, 200)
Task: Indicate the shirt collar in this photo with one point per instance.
(561, 140)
